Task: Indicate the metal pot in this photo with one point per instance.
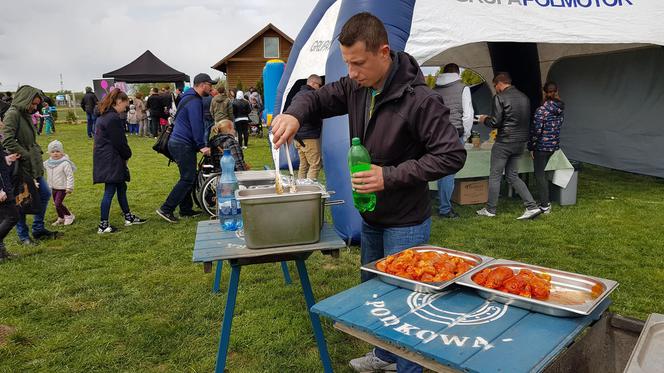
(272, 220)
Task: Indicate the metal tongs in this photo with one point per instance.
(278, 186)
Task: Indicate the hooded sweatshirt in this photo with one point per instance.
(19, 135)
(189, 127)
(60, 173)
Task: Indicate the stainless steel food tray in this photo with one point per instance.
(428, 287)
(567, 291)
(256, 177)
(647, 356)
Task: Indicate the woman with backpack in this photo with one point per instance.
(110, 157)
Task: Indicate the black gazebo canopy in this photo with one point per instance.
(147, 69)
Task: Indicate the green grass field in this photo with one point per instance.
(134, 301)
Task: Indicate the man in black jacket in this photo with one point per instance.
(88, 103)
(309, 133)
(155, 107)
(406, 129)
(510, 114)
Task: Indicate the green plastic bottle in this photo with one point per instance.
(360, 160)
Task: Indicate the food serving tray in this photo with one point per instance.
(479, 261)
(647, 355)
(571, 293)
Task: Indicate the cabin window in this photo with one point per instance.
(271, 47)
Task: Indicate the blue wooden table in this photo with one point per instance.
(214, 245)
(453, 330)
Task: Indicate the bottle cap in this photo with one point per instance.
(356, 141)
(227, 152)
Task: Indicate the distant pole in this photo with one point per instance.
(62, 86)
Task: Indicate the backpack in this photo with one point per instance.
(161, 145)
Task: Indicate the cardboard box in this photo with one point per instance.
(470, 192)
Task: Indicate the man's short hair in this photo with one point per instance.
(502, 77)
(451, 68)
(313, 78)
(364, 27)
(154, 90)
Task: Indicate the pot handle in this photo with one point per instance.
(334, 203)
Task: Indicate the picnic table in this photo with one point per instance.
(215, 245)
(455, 330)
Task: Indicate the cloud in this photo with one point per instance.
(84, 39)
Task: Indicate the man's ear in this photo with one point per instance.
(384, 51)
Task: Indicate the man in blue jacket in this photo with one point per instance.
(187, 139)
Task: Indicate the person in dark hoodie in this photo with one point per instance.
(406, 129)
(545, 139)
(8, 210)
(309, 133)
(20, 136)
(110, 157)
(88, 103)
(187, 139)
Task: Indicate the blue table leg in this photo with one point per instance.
(315, 321)
(217, 276)
(228, 319)
(284, 268)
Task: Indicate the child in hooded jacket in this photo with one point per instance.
(132, 119)
(60, 171)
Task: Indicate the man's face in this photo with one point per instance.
(366, 68)
(207, 88)
(34, 104)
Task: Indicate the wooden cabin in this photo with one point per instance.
(245, 64)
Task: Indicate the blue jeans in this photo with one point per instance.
(445, 190)
(379, 242)
(91, 118)
(185, 157)
(110, 189)
(38, 222)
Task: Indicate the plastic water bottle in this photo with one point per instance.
(228, 207)
(360, 160)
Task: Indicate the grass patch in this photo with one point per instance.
(134, 301)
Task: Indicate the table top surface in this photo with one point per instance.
(212, 244)
(457, 327)
(478, 162)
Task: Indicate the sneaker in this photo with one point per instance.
(485, 212)
(101, 229)
(168, 216)
(546, 209)
(69, 219)
(530, 214)
(244, 147)
(190, 214)
(450, 215)
(46, 235)
(28, 242)
(59, 221)
(371, 363)
(4, 254)
(131, 219)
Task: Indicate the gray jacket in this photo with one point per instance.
(510, 114)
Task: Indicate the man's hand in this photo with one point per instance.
(284, 127)
(3, 196)
(205, 150)
(482, 118)
(368, 181)
(532, 154)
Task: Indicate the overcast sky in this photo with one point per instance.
(84, 39)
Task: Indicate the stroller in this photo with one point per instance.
(205, 188)
(255, 125)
